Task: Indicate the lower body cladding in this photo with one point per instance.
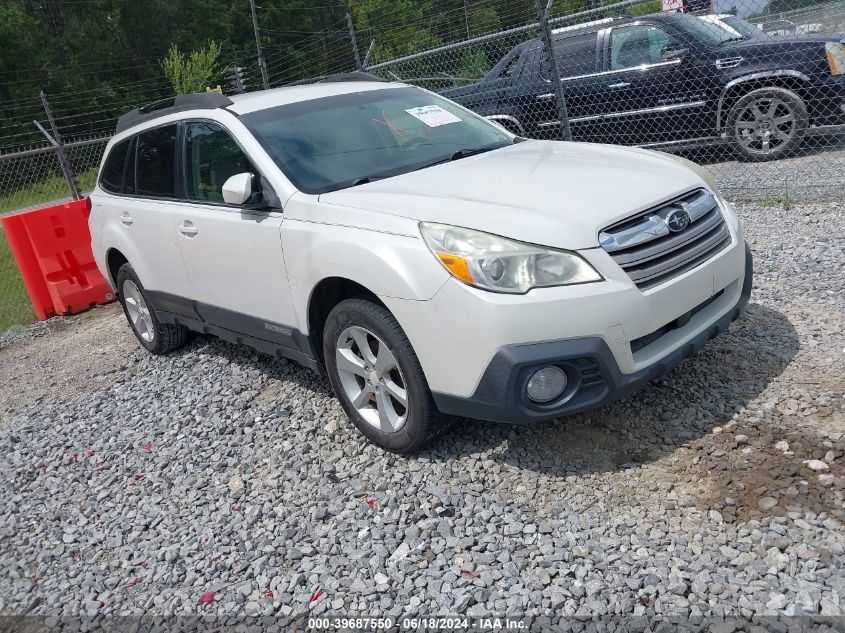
(612, 341)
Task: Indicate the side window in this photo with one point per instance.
(575, 55)
(211, 157)
(111, 178)
(637, 45)
(511, 67)
(154, 168)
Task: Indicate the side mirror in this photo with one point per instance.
(673, 53)
(240, 190)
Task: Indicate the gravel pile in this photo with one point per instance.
(221, 481)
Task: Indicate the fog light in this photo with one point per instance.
(546, 384)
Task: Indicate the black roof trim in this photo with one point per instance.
(179, 103)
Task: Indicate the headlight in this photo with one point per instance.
(835, 57)
(502, 265)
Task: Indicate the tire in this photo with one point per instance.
(767, 124)
(378, 413)
(153, 335)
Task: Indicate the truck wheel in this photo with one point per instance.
(377, 377)
(768, 123)
(154, 336)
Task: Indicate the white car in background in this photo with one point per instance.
(739, 27)
(427, 260)
(743, 29)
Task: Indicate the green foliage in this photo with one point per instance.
(44, 191)
(474, 65)
(192, 73)
(644, 8)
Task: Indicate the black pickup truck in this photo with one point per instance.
(669, 79)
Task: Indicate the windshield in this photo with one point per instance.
(335, 142)
(744, 28)
(701, 30)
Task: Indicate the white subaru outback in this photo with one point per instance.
(428, 261)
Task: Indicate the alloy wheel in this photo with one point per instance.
(765, 125)
(371, 379)
(139, 313)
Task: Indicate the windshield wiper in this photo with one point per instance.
(459, 154)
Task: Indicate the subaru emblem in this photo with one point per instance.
(678, 220)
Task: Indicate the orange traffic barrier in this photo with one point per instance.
(52, 247)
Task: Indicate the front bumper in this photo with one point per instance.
(594, 376)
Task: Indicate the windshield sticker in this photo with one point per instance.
(433, 115)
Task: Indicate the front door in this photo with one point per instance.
(233, 255)
(649, 94)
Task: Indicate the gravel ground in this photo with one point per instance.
(816, 173)
(221, 481)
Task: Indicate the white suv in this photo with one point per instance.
(428, 261)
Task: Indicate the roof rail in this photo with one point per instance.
(179, 103)
(584, 25)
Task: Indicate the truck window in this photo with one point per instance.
(637, 45)
(575, 55)
(511, 66)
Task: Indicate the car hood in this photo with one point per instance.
(544, 192)
(782, 42)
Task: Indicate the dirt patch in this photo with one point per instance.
(64, 357)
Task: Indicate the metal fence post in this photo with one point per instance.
(546, 31)
(366, 63)
(354, 41)
(58, 144)
(261, 63)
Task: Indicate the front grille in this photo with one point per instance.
(651, 251)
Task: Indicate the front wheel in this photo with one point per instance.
(377, 377)
(768, 123)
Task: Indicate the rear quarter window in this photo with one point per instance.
(111, 177)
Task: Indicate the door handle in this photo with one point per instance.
(188, 229)
(126, 219)
(621, 84)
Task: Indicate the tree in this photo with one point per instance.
(193, 73)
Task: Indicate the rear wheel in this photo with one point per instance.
(154, 336)
(768, 123)
(377, 377)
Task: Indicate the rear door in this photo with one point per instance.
(649, 93)
(233, 255)
(142, 221)
(577, 58)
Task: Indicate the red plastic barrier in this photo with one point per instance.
(52, 247)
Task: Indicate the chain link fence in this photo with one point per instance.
(760, 101)
(753, 89)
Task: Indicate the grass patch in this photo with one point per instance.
(15, 308)
(44, 191)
